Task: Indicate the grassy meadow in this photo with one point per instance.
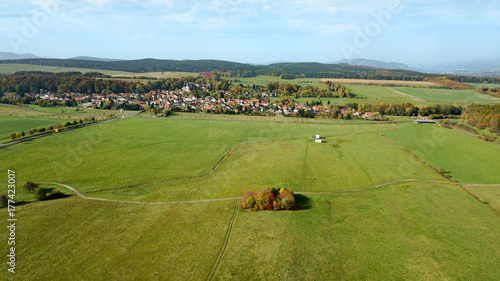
(474, 160)
(406, 230)
(17, 124)
(8, 68)
(443, 96)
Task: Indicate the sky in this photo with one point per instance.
(255, 31)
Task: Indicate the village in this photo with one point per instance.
(201, 100)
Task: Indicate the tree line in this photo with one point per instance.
(233, 69)
(37, 82)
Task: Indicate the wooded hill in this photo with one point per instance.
(234, 69)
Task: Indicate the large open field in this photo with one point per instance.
(13, 68)
(379, 82)
(443, 96)
(426, 228)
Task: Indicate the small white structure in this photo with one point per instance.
(318, 139)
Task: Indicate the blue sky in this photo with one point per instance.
(255, 31)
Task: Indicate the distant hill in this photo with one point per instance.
(14, 56)
(234, 69)
(375, 63)
(92, 59)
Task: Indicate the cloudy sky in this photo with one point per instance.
(254, 31)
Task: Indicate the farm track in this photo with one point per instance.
(405, 95)
(223, 248)
(72, 189)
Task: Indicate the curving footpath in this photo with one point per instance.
(72, 189)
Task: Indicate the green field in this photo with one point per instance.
(480, 85)
(13, 68)
(406, 230)
(16, 125)
(263, 80)
(444, 96)
(475, 161)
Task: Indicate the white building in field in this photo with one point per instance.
(318, 139)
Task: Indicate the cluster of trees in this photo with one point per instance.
(42, 193)
(483, 116)
(451, 84)
(450, 125)
(37, 82)
(269, 199)
(495, 92)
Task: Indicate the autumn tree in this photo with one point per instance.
(29, 187)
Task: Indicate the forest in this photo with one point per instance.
(234, 69)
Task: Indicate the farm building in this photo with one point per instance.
(425, 122)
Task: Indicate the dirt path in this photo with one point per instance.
(235, 198)
(406, 95)
(222, 250)
(135, 202)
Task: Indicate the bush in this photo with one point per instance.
(41, 194)
(481, 126)
(13, 136)
(29, 186)
(23, 134)
(250, 202)
(4, 202)
(30, 132)
(286, 200)
(262, 198)
(247, 194)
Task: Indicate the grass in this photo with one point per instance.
(13, 68)
(263, 80)
(79, 239)
(379, 82)
(466, 158)
(443, 96)
(390, 233)
(17, 124)
(174, 149)
(481, 85)
(410, 231)
(404, 231)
